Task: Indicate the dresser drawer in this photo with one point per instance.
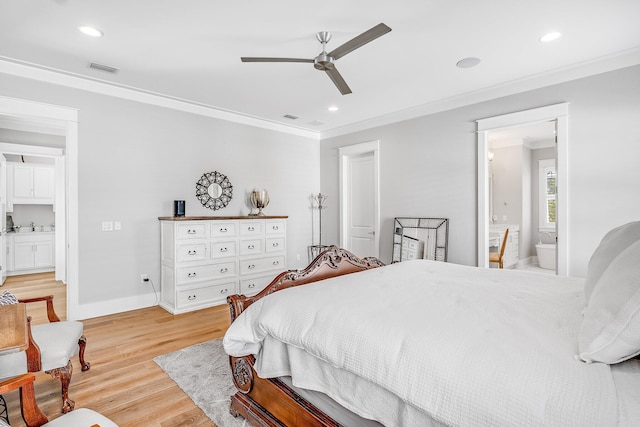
(191, 252)
(191, 230)
(187, 275)
(251, 247)
(252, 228)
(223, 229)
(275, 226)
(275, 244)
(261, 264)
(253, 286)
(223, 249)
(205, 294)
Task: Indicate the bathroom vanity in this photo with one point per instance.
(511, 251)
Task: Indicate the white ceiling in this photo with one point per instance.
(191, 51)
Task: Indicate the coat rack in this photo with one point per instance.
(318, 202)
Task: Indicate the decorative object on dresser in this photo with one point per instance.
(259, 200)
(205, 259)
(415, 238)
(317, 202)
(214, 190)
(178, 208)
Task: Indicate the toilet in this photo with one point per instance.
(546, 255)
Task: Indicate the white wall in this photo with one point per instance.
(428, 164)
(135, 159)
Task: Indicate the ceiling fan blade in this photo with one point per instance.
(337, 80)
(261, 59)
(359, 41)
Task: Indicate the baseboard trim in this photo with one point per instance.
(120, 305)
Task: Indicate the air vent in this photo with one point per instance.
(291, 116)
(102, 67)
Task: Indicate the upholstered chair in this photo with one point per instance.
(32, 415)
(51, 347)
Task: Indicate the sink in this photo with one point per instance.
(25, 230)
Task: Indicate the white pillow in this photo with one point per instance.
(611, 245)
(610, 330)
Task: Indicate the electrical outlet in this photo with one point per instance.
(144, 278)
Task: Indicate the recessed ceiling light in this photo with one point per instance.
(549, 37)
(90, 31)
(333, 108)
(468, 62)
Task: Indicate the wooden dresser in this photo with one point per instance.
(206, 259)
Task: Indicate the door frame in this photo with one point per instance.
(557, 112)
(67, 119)
(345, 154)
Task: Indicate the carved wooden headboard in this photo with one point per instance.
(330, 263)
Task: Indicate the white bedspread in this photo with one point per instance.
(461, 345)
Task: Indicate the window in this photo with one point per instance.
(547, 191)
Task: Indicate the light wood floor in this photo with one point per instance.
(124, 383)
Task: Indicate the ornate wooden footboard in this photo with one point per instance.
(270, 402)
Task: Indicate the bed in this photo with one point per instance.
(427, 343)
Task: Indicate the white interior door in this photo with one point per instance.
(360, 208)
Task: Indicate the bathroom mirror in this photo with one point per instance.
(420, 238)
(214, 190)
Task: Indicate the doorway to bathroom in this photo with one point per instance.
(522, 196)
(500, 206)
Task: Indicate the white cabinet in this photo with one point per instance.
(31, 252)
(206, 259)
(29, 183)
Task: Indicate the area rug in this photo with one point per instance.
(202, 372)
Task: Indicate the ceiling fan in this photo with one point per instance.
(326, 61)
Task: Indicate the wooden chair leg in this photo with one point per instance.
(64, 374)
(82, 343)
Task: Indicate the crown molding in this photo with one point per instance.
(604, 64)
(585, 69)
(50, 75)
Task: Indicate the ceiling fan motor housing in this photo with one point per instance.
(324, 62)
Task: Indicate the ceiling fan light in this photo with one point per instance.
(468, 62)
(90, 31)
(549, 37)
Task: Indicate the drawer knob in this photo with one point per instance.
(224, 270)
(224, 291)
(276, 262)
(251, 266)
(193, 252)
(191, 297)
(223, 230)
(223, 249)
(275, 227)
(190, 231)
(251, 228)
(191, 275)
(275, 244)
(251, 247)
(251, 286)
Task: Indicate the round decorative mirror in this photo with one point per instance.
(214, 190)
